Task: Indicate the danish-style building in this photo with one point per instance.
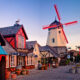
(15, 38)
(34, 53)
(19, 51)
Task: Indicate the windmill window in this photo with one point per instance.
(59, 31)
(53, 40)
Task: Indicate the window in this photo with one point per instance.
(21, 60)
(12, 61)
(53, 40)
(59, 32)
(20, 41)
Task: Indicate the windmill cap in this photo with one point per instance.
(54, 23)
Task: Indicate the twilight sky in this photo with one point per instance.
(33, 14)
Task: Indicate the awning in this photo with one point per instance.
(2, 51)
(19, 54)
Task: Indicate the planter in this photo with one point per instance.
(7, 74)
(45, 68)
(78, 69)
(13, 76)
(24, 72)
(42, 68)
(18, 72)
(27, 72)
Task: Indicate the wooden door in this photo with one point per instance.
(2, 68)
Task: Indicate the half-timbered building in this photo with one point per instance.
(33, 55)
(2, 58)
(15, 37)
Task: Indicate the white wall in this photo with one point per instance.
(59, 38)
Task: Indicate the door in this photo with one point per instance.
(2, 68)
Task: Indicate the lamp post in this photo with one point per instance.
(79, 49)
(69, 48)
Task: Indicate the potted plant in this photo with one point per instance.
(13, 76)
(18, 71)
(23, 72)
(12, 69)
(27, 72)
(7, 74)
(42, 68)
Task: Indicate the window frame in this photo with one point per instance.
(53, 40)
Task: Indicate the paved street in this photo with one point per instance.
(61, 73)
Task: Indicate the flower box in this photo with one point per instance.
(12, 69)
(32, 66)
(27, 67)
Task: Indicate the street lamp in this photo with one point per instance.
(79, 49)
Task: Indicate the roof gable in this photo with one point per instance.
(48, 49)
(23, 31)
(12, 30)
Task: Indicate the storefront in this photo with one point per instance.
(2, 63)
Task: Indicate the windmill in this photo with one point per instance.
(56, 34)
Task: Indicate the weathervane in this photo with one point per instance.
(17, 22)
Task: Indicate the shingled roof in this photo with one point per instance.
(11, 30)
(57, 23)
(30, 44)
(49, 49)
(8, 48)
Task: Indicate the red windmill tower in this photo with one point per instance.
(56, 34)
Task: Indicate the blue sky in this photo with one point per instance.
(33, 14)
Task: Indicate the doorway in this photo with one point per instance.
(2, 68)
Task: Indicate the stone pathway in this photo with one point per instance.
(61, 73)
